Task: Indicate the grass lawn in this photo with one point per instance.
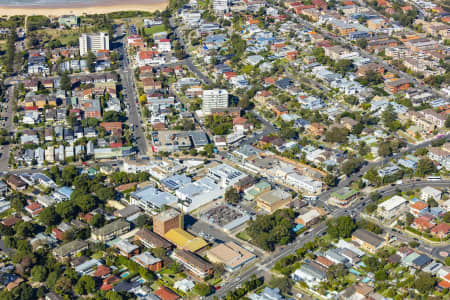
(154, 29)
(215, 281)
(243, 236)
(97, 255)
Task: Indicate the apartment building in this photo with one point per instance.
(93, 42)
(213, 99)
(111, 230)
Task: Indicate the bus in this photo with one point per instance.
(310, 198)
(434, 178)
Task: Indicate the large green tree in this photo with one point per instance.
(340, 227)
(85, 285)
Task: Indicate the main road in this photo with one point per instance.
(129, 90)
(6, 149)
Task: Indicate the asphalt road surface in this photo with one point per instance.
(5, 152)
(130, 96)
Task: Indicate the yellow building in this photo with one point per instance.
(41, 103)
(184, 240)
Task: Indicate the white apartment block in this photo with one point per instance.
(303, 183)
(212, 99)
(93, 42)
(225, 175)
(220, 6)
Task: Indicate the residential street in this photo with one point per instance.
(130, 96)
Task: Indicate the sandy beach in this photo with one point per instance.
(97, 8)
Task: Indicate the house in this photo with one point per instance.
(348, 123)
(421, 261)
(441, 230)
(165, 293)
(423, 223)
(102, 272)
(335, 256)
(368, 240)
(53, 296)
(108, 282)
(125, 248)
(193, 263)
(357, 291)
(11, 221)
(418, 208)
(184, 285)
(267, 294)
(324, 262)
(429, 192)
(34, 209)
(16, 183)
(148, 261)
(88, 266)
(311, 275)
(316, 129)
(279, 110)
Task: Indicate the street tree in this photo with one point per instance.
(232, 196)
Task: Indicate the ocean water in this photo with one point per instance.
(65, 3)
(44, 2)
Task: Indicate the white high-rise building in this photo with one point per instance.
(220, 6)
(216, 98)
(93, 42)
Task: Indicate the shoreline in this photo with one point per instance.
(98, 8)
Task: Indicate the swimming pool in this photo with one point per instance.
(353, 271)
(123, 275)
(366, 280)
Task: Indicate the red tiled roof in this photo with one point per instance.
(441, 228)
(166, 294)
(33, 206)
(147, 54)
(102, 271)
(115, 145)
(419, 205)
(423, 223)
(11, 221)
(239, 120)
(125, 187)
(324, 261)
(444, 284)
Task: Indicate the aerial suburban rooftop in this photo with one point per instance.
(245, 149)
